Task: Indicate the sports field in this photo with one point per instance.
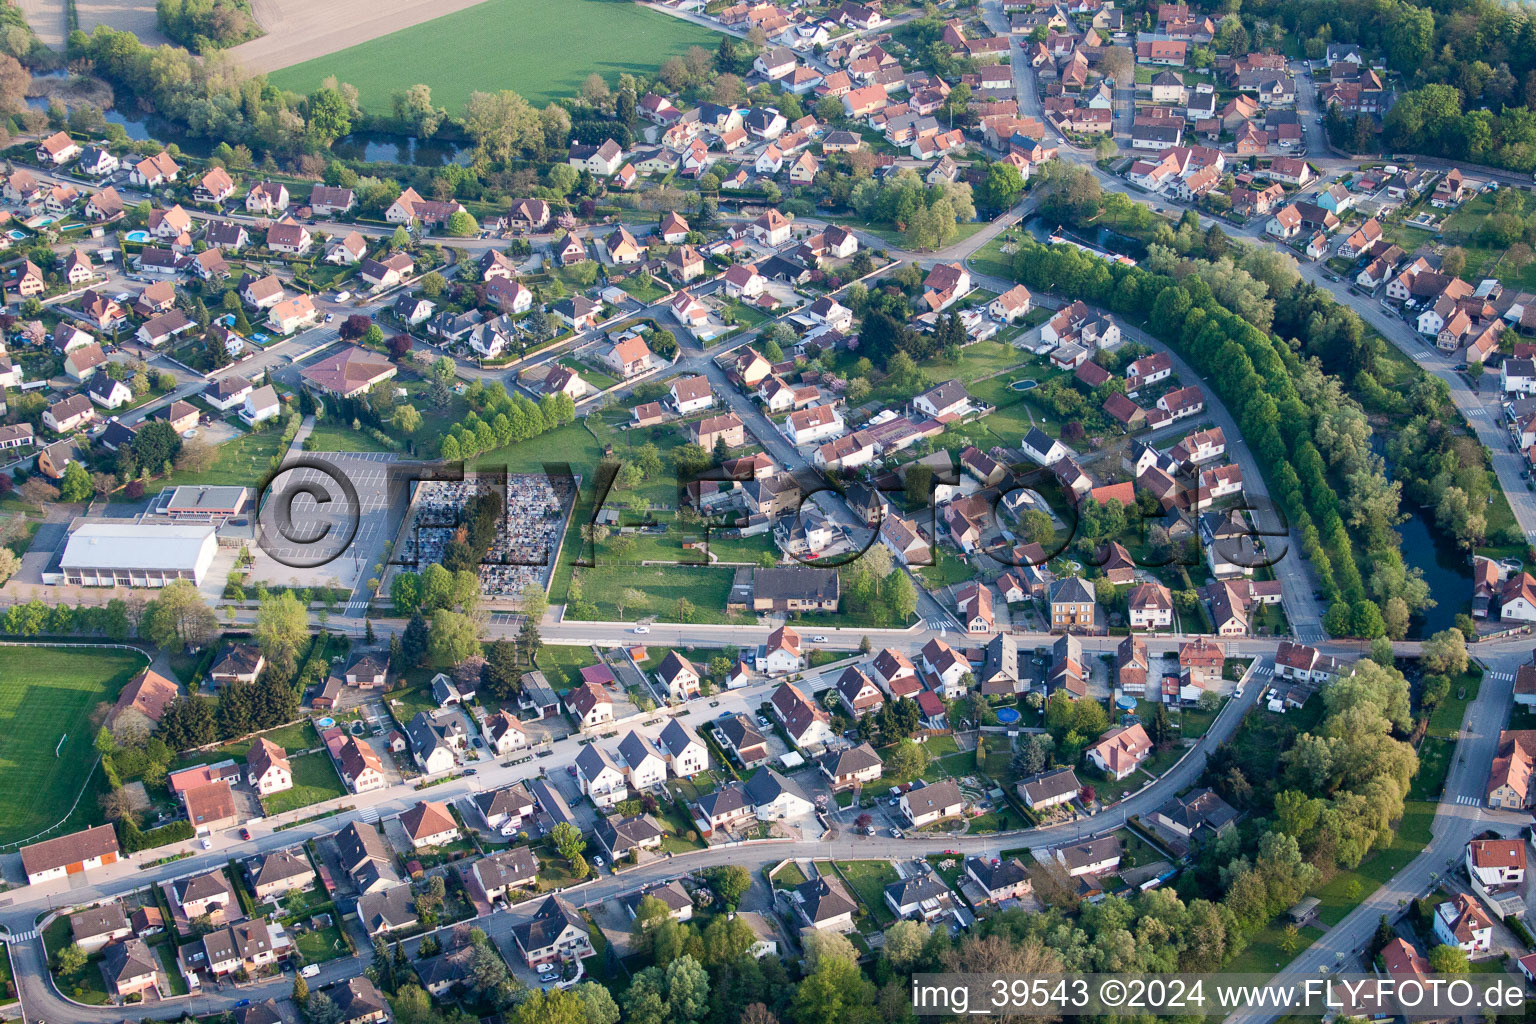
(47, 693)
(541, 50)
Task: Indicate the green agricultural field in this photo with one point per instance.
(47, 694)
(542, 50)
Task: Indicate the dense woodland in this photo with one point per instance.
(1468, 70)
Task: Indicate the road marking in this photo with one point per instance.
(23, 936)
(369, 815)
(1501, 675)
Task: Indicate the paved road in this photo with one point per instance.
(41, 1000)
(1459, 817)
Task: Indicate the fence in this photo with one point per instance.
(95, 764)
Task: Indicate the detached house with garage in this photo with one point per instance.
(556, 933)
(679, 677)
(1120, 750)
(1462, 922)
(601, 778)
(684, 752)
(851, 766)
(925, 804)
(590, 704)
(802, 718)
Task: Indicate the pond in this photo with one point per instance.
(1100, 238)
(1445, 569)
(401, 149)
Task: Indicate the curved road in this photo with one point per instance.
(40, 998)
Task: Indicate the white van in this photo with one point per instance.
(310, 970)
(343, 296)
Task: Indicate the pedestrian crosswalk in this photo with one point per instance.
(26, 936)
(1264, 670)
(1477, 410)
(1501, 676)
(369, 815)
(357, 607)
(940, 624)
(1469, 801)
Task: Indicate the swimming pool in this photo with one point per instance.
(137, 236)
(72, 227)
(324, 723)
(41, 222)
(16, 233)
(1022, 385)
(1007, 716)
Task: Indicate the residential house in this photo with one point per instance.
(1120, 750)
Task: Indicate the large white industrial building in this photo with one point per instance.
(136, 554)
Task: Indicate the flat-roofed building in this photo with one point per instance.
(197, 503)
(136, 554)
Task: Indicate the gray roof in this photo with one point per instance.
(280, 865)
(916, 887)
(945, 394)
(740, 731)
(510, 867)
(635, 747)
(849, 760)
(102, 920)
(550, 801)
(1072, 590)
(553, 917)
(724, 801)
(158, 546)
(824, 898)
(360, 844)
(676, 738)
(934, 797)
(996, 874)
(593, 759)
(537, 689)
(672, 894)
(394, 907)
(130, 958)
(358, 998)
(513, 800)
(802, 583)
(201, 887)
(620, 835)
(767, 785)
(1090, 851)
(1202, 808)
(1050, 784)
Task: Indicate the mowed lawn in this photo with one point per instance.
(314, 780)
(541, 50)
(47, 693)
